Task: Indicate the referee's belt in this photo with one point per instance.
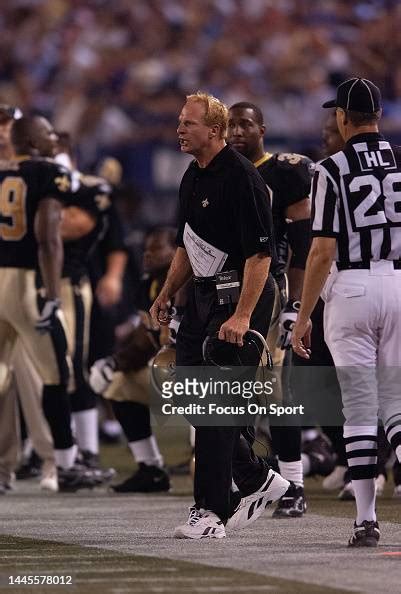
(364, 265)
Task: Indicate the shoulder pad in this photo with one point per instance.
(298, 165)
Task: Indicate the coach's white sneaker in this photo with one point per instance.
(252, 506)
(49, 480)
(335, 480)
(201, 524)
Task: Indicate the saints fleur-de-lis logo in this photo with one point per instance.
(205, 203)
(63, 183)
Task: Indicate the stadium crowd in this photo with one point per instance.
(118, 76)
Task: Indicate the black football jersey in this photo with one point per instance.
(92, 194)
(24, 182)
(288, 177)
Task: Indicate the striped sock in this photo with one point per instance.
(393, 433)
(361, 452)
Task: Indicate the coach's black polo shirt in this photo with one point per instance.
(227, 205)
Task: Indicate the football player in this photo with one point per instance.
(84, 223)
(124, 378)
(32, 193)
(288, 178)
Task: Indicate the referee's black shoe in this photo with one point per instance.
(292, 504)
(365, 535)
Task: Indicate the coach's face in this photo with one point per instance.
(194, 135)
(244, 133)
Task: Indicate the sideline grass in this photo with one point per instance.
(95, 571)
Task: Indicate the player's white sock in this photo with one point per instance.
(365, 496)
(147, 451)
(292, 471)
(398, 453)
(65, 458)
(306, 465)
(86, 430)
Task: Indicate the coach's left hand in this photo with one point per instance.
(234, 329)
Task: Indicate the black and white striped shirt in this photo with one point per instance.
(356, 198)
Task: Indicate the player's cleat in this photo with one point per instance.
(321, 456)
(251, 507)
(147, 479)
(201, 524)
(29, 468)
(292, 504)
(365, 535)
(75, 478)
(90, 461)
(335, 480)
(347, 493)
(49, 479)
(380, 483)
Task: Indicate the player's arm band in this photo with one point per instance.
(299, 238)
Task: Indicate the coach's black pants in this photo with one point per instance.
(221, 454)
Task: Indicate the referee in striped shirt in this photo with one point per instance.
(356, 230)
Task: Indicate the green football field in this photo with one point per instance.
(119, 544)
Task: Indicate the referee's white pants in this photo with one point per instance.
(362, 324)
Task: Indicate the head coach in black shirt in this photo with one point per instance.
(225, 224)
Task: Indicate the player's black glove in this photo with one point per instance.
(48, 316)
(101, 374)
(287, 320)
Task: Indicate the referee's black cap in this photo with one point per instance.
(357, 94)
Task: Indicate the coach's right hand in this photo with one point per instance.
(160, 310)
(48, 316)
